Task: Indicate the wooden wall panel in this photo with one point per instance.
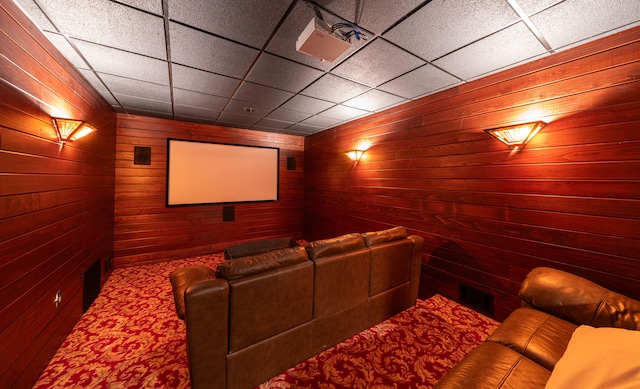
(570, 199)
(147, 231)
(56, 203)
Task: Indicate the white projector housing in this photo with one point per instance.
(317, 41)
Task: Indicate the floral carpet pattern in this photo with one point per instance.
(131, 338)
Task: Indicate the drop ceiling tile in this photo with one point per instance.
(283, 42)
(95, 82)
(254, 93)
(126, 86)
(531, 7)
(107, 60)
(574, 21)
(342, 113)
(197, 99)
(335, 89)
(143, 105)
(201, 50)
(306, 104)
(374, 15)
(247, 21)
(203, 81)
(110, 24)
(288, 115)
(377, 63)
(153, 6)
(516, 44)
(270, 124)
(302, 129)
(277, 72)
(441, 27)
(321, 121)
(373, 100)
(67, 50)
(244, 108)
(236, 120)
(36, 15)
(190, 113)
(419, 82)
(152, 113)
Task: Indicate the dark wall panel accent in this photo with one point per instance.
(570, 199)
(147, 231)
(56, 203)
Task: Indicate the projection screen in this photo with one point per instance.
(209, 173)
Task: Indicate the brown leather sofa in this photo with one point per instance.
(524, 350)
(258, 315)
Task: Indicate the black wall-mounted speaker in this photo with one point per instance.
(291, 163)
(141, 155)
(228, 213)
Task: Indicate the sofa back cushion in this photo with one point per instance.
(258, 247)
(267, 303)
(244, 266)
(334, 246)
(390, 258)
(377, 237)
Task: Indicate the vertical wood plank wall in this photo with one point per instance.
(56, 203)
(570, 199)
(147, 231)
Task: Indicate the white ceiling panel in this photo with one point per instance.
(373, 100)
(516, 44)
(335, 89)
(203, 51)
(234, 63)
(124, 64)
(247, 21)
(277, 72)
(441, 27)
(110, 24)
(342, 112)
(574, 21)
(377, 63)
(419, 82)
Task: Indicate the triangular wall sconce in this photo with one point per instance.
(69, 130)
(518, 135)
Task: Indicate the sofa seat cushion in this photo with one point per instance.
(492, 365)
(240, 267)
(599, 358)
(539, 336)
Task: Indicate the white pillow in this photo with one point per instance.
(603, 358)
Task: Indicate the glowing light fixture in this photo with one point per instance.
(518, 135)
(355, 155)
(69, 130)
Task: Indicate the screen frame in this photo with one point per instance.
(232, 145)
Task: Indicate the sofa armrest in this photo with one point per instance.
(578, 300)
(207, 318)
(184, 277)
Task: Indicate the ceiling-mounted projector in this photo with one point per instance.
(318, 40)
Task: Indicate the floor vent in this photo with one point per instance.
(91, 285)
(476, 299)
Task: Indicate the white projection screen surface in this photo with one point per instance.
(208, 173)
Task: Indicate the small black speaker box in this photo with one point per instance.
(228, 213)
(141, 155)
(291, 163)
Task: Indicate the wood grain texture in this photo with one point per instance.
(147, 231)
(56, 203)
(570, 199)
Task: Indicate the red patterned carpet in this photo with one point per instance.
(131, 338)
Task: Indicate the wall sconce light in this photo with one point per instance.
(518, 135)
(355, 155)
(69, 130)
